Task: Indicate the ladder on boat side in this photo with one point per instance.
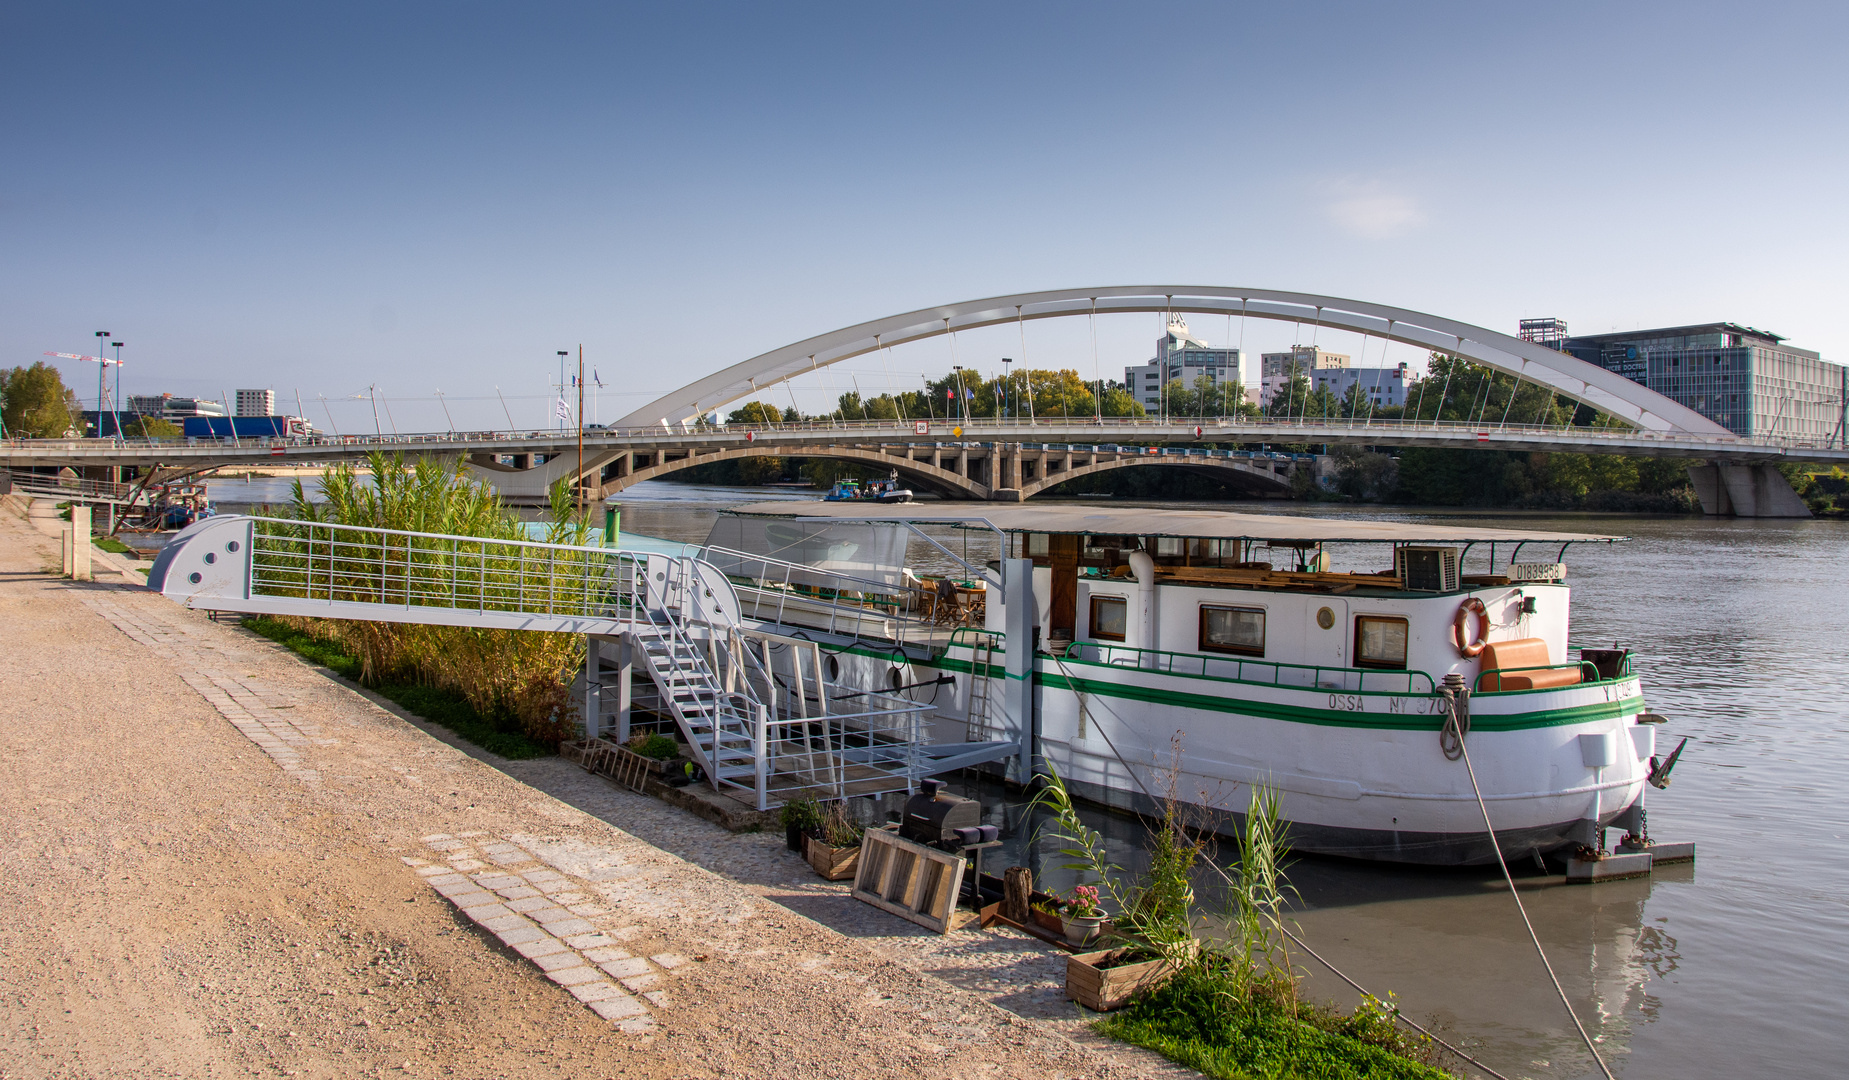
(981, 661)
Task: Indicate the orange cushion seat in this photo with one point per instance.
(1523, 653)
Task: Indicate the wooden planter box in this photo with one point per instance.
(833, 863)
(1102, 989)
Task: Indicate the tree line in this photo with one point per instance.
(35, 404)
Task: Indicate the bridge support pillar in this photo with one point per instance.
(1758, 491)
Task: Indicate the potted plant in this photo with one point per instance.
(1084, 918)
(1046, 916)
(836, 853)
(799, 816)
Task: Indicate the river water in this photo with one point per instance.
(1732, 967)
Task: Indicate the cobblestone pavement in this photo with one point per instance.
(349, 893)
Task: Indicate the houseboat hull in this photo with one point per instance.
(1357, 774)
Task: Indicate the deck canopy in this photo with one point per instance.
(1142, 521)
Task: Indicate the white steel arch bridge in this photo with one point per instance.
(1564, 374)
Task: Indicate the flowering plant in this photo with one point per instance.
(1084, 903)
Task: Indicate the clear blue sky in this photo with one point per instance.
(319, 197)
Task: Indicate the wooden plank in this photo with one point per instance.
(1064, 605)
(909, 880)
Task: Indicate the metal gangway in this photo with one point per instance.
(763, 718)
(74, 489)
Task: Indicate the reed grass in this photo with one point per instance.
(503, 675)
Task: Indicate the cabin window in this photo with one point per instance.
(1038, 545)
(1168, 546)
(1380, 641)
(1233, 630)
(1109, 616)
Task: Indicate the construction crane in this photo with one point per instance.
(103, 364)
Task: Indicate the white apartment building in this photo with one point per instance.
(1182, 357)
(256, 403)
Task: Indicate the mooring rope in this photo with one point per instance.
(1464, 752)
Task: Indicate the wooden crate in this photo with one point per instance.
(1102, 989)
(910, 880)
(833, 863)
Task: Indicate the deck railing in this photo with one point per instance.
(1253, 672)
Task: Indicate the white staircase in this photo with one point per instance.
(719, 725)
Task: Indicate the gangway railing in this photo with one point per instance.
(765, 729)
(62, 487)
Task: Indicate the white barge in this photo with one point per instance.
(1237, 637)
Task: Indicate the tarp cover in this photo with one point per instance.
(866, 551)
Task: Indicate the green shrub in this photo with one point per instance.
(1210, 1018)
(658, 747)
(802, 813)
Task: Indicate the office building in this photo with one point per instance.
(1276, 368)
(256, 403)
(1182, 357)
(1549, 332)
(168, 407)
(1746, 380)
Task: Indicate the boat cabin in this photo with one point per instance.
(1387, 604)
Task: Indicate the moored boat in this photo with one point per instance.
(1238, 638)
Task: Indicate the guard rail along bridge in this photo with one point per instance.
(1009, 459)
(763, 713)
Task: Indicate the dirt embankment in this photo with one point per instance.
(203, 873)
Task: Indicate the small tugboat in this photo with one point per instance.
(876, 491)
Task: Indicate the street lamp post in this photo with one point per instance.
(116, 419)
(555, 408)
(102, 336)
(1008, 384)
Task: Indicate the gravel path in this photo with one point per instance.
(217, 861)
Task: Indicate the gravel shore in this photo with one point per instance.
(219, 861)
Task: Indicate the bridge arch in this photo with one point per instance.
(918, 474)
(1567, 375)
(1255, 480)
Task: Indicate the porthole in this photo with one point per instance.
(834, 670)
(194, 578)
(232, 546)
(1325, 618)
(211, 557)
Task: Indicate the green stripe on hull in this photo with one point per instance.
(1297, 714)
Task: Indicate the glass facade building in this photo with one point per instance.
(1182, 357)
(1748, 381)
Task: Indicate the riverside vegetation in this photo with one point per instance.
(507, 691)
(1232, 1007)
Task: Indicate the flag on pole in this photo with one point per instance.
(949, 394)
(562, 409)
(596, 379)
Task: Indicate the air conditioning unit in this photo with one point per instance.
(1538, 571)
(1427, 569)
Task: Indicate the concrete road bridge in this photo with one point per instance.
(1012, 459)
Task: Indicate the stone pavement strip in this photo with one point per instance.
(706, 973)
